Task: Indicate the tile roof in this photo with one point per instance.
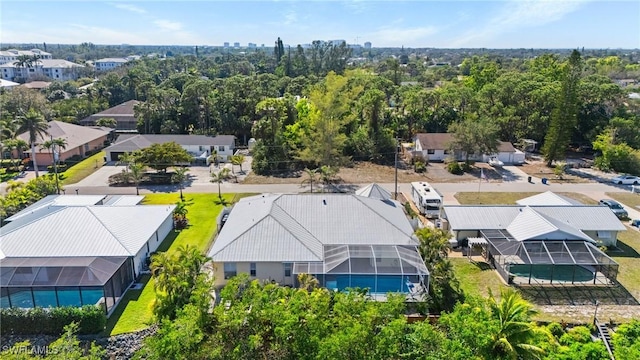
(126, 108)
(293, 227)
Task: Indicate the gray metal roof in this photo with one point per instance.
(548, 198)
(137, 142)
(57, 200)
(374, 191)
(85, 231)
(294, 227)
(123, 200)
(584, 218)
(529, 224)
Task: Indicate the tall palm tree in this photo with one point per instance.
(53, 145)
(515, 331)
(35, 124)
(16, 144)
(312, 177)
(180, 176)
(219, 177)
(137, 171)
(237, 160)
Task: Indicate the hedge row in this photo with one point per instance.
(91, 320)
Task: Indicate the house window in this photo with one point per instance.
(604, 234)
(287, 269)
(431, 151)
(220, 148)
(252, 269)
(86, 147)
(229, 270)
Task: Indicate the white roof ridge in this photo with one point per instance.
(289, 230)
(89, 208)
(360, 199)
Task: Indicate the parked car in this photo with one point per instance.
(615, 206)
(626, 180)
(495, 162)
(636, 223)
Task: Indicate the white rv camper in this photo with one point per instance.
(427, 199)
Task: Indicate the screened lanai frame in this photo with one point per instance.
(64, 281)
(380, 268)
(560, 261)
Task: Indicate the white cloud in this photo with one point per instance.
(168, 25)
(130, 7)
(291, 17)
(394, 36)
(514, 15)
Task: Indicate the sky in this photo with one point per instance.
(416, 24)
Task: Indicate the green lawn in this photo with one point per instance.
(629, 199)
(135, 311)
(510, 198)
(629, 260)
(83, 169)
(476, 278)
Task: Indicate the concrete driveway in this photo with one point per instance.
(100, 177)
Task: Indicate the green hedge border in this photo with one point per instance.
(16, 321)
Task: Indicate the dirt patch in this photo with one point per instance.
(366, 172)
(539, 169)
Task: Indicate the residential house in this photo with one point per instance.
(91, 253)
(109, 63)
(343, 240)
(435, 147)
(200, 146)
(80, 140)
(11, 55)
(122, 113)
(545, 238)
(56, 69)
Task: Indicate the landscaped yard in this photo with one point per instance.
(629, 260)
(629, 199)
(476, 278)
(83, 169)
(510, 198)
(135, 312)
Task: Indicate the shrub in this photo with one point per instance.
(90, 319)
(454, 168)
(556, 329)
(61, 168)
(420, 167)
(409, 210)
(466, 167)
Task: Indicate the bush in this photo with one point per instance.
(556, 329)
(420, 167)
(61, 168)
(454, 168)
(466, 167)
(16, 321)
(409, 210)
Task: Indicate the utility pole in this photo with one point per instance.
(395, 196)
(55, 164)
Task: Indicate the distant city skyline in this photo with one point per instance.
(417, 24)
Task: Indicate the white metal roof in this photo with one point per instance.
(58, 200)
(294, 227)
(530, 224)
(85, 231)
(374, 191)
(584, 218)
(124, 200)
(548, 198)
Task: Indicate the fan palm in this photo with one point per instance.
(16, 144)
(219, 177)
(53, 145)
(515, 330)
(35, 124)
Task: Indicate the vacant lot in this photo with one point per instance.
(539, 169)
(366, 172)
(510, 198)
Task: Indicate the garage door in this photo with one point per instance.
(115, 156)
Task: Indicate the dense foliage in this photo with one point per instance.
(20, 195)
(90, 320)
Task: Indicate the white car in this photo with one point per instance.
(626, 180)
(495, 162)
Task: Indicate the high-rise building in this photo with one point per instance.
(226, 44)
(236, 44)
(367, 45)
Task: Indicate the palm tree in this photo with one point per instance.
(15, 144)
(180, 176)
(53, 145)
(137, 171)
(515, 331)
(327, 173)
(126, 159)
(237, 160)
(312, 177)
(180, 215)
(34, 123)
(219, 177)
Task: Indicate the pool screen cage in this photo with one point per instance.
(548, 261)
(380, 268)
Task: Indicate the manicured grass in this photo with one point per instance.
(83, 169)
(629, 260)
(510, 198)
(629, 199)
(476, 278)
(135, 312)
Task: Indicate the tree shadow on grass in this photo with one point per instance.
(623, 250)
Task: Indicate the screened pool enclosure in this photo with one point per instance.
(548, 261)
(379, 268)
(64, 281)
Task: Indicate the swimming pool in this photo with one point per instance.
(565, 273)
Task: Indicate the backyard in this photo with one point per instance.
(135, 311)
